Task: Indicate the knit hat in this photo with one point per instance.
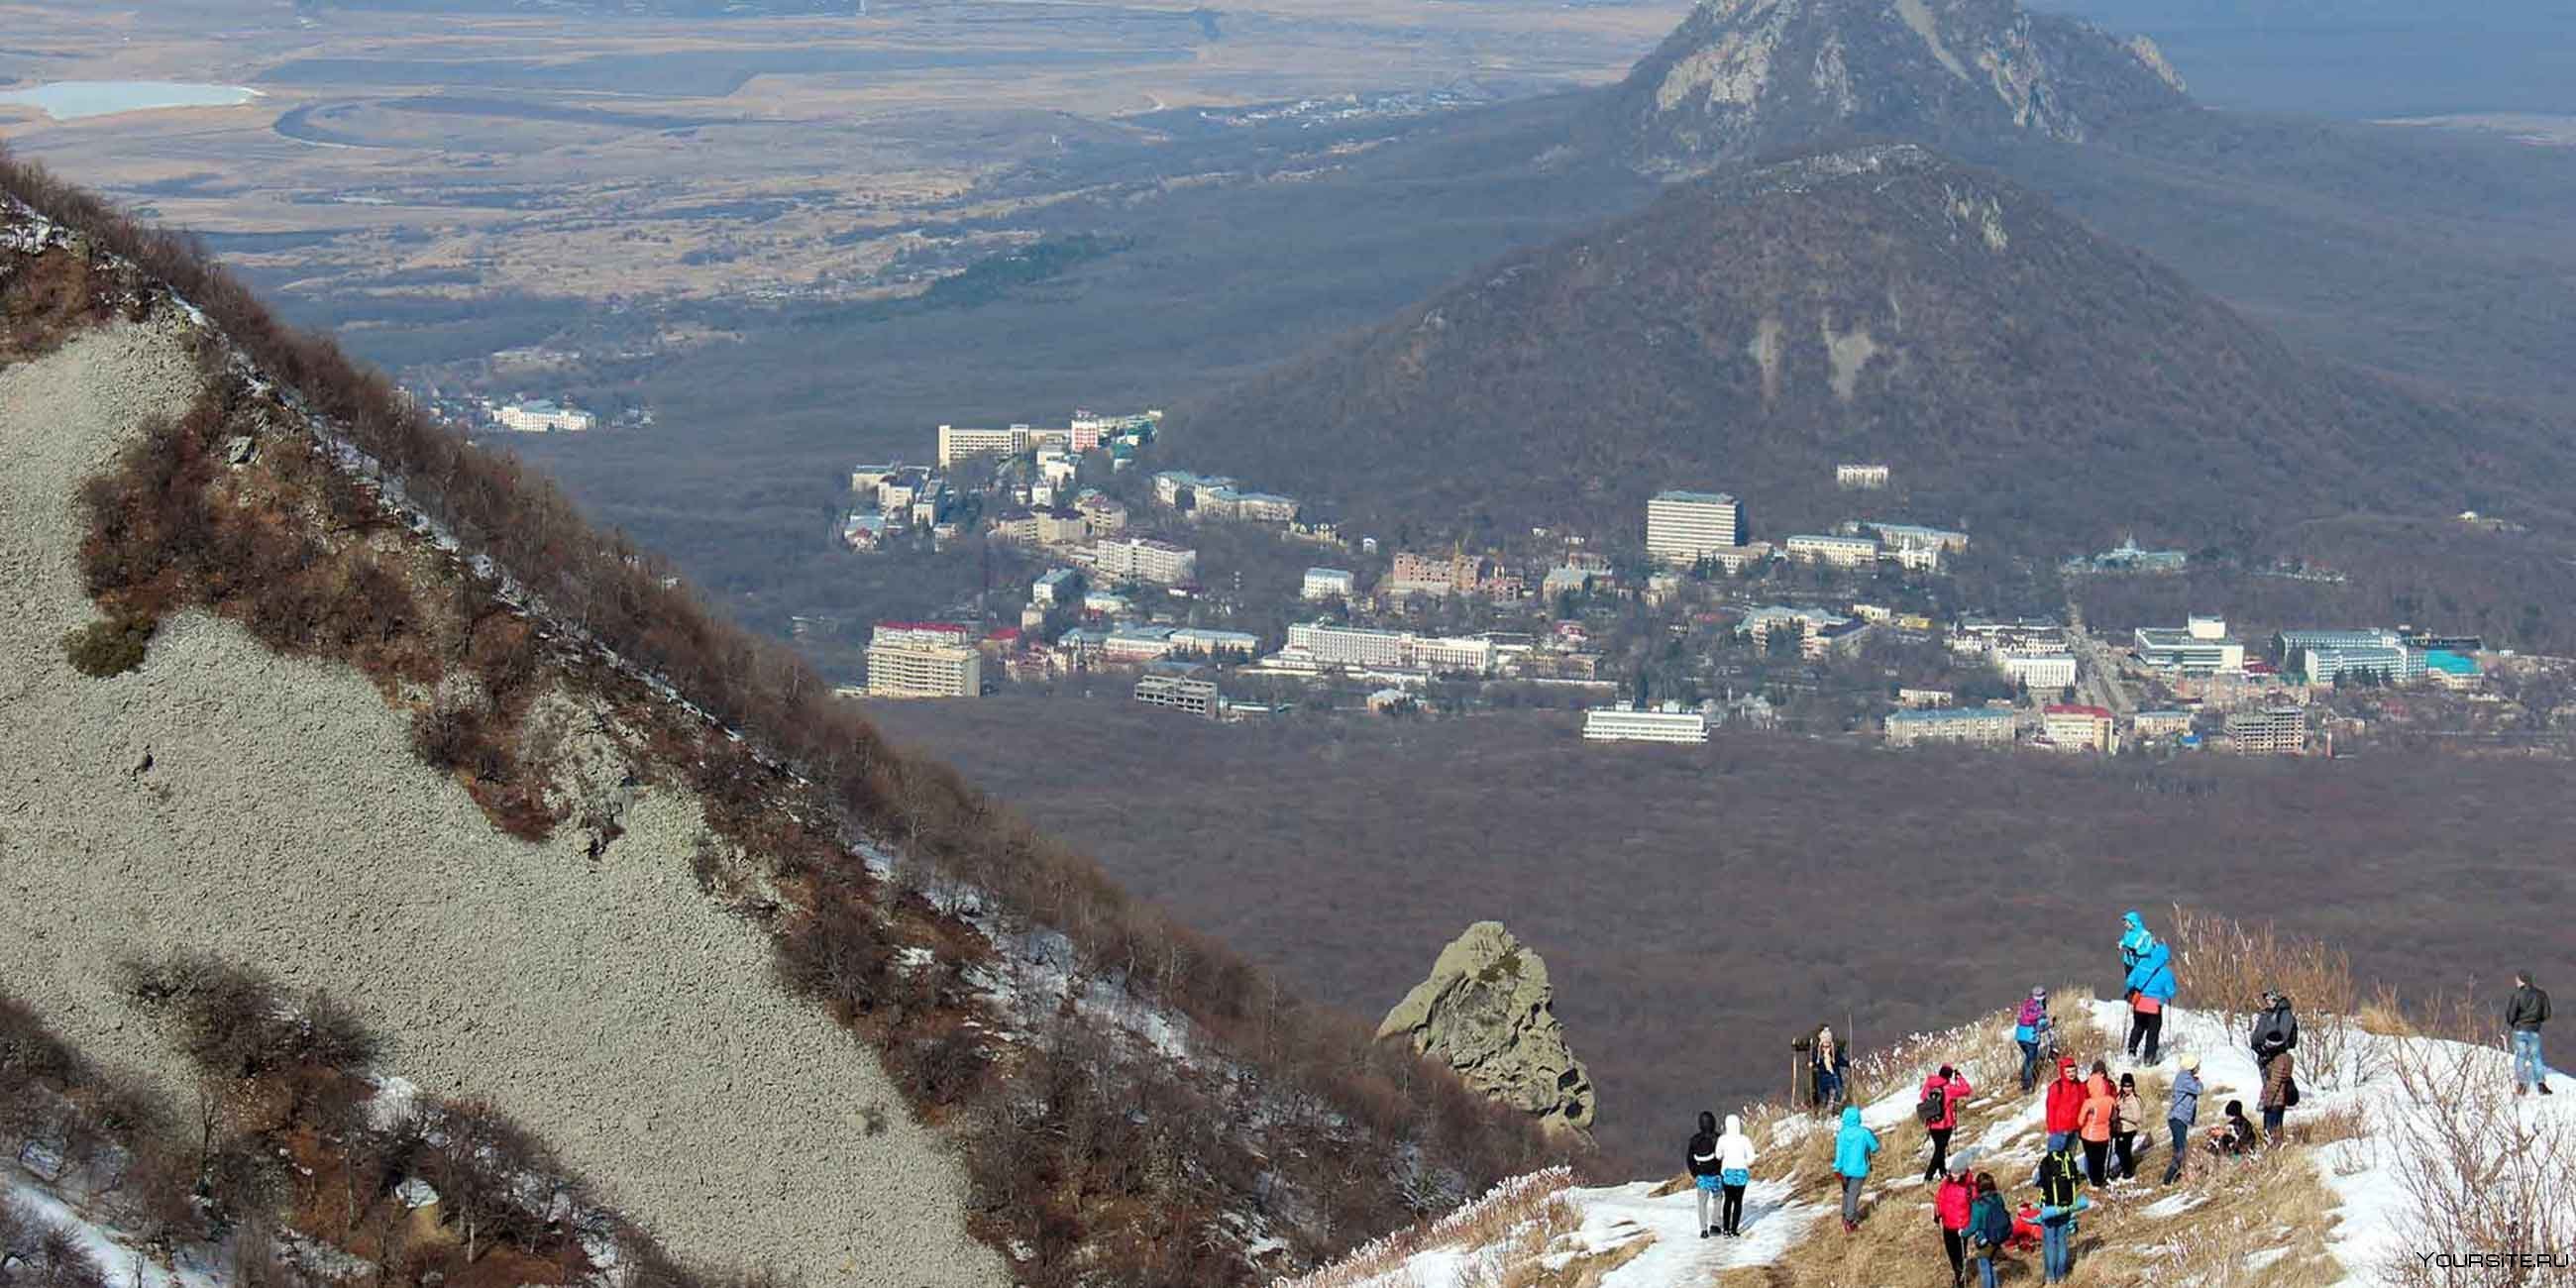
(2190, 1061)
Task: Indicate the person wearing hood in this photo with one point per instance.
(2276, 1028)
(2030, 1030)
(1952, 1205)
(1853, 1146)
(2065, 1106)
(2523, 1017)
(1735, 1171)
(2133, 939)
(2094, 1122)
(2150, 986)
(1941, 1118)
(1704, 1170)
(2181, 1111)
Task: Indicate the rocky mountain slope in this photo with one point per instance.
(1741, 79)
(301, 680)
(1750, 329)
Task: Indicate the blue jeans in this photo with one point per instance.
(2057, 1254)
(2029, 1064)
(1986, 1270)
(2181, 1138)
(2528, 1070)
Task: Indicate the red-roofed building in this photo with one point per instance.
(2074, 727)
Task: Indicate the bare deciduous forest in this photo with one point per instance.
(1696, 906)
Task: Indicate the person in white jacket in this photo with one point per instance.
(1735, 1171)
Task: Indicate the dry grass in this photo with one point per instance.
(2479, 1173)
(1512, 1225)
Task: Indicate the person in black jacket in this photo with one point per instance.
(2523, 1017)
(1704, 1170)
(2275, 1030)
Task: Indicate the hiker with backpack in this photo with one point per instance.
(2128, 1116)
(1938, 1107)
(1734, 1172)
(1828, 1062)
(2030, 1030)
(1990, 1227)
(2523, 1017)
(2059, 1202)
(1853, 1145)
(2065, 1104)
(1952, 1205)
(2149, 988)
(2181, 1111)
(2094, 1122)
(1704, 1170)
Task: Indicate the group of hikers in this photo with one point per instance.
(2101, 1116)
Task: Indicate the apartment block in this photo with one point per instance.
(1839, 552)
(2071, 727)
(1860, 478)
(1178, 687)
(1683, 528)
(923, 662)
(1984, 726)
(2280, 730)
(1328, 583)
(2040, 672)
(1626, 723)
(1144, 559)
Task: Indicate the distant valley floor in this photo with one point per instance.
(1697, 906)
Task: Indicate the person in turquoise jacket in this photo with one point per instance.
(2149, 987)
(1852, 1147)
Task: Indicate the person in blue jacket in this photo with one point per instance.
(2150, 985)
(2030, 1030)
(1852, 1147)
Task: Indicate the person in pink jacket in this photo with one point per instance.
(1938, 1107)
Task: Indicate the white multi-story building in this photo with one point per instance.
(1145, 559)
(1193, 641)
(1982, 725)
(2071, 727)
(543, 417)
(923, 660)
(1625, 723)
(1840, 552)
(1327, 644)
(2041, 672)
(2200, 648)
(1178, 686)
(1136, 643)
(1056, 586)
(1683, 528)
(1860, 477)
(1914, 536)
(1329, 583)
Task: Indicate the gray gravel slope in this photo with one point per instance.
(283, 822)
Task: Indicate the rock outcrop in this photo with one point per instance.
(1745, 78)
(1489, 1011)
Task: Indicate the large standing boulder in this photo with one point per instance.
(1489, 1011)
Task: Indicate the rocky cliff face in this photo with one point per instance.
(1741, 78)
(1489, 1010)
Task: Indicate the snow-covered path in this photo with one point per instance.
(1678, 1255)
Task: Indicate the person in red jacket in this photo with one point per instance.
(2065, 1105)
(1950, 1208)
(1955, 1091)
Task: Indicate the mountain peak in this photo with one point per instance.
(1740, 78)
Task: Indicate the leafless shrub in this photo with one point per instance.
(236, 1023)
(2226, 966)
(2479, 1173)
